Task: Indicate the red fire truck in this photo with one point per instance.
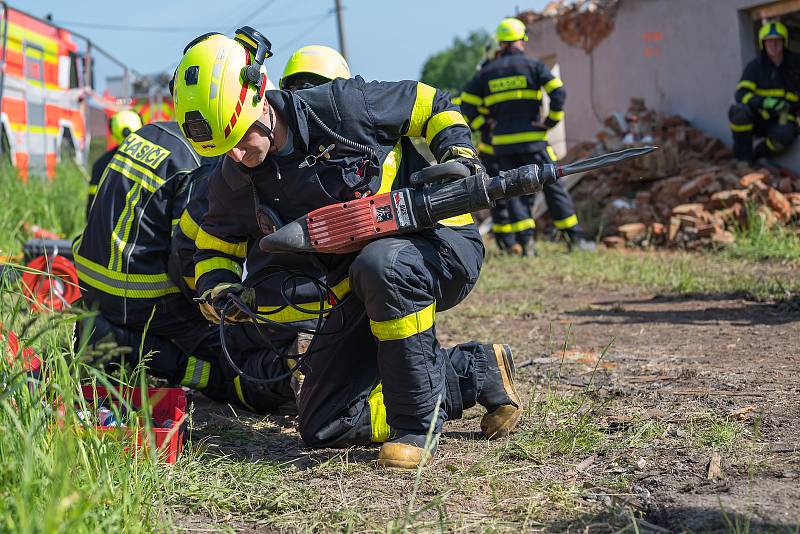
(47, 93)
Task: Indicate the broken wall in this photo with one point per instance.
(683, 57)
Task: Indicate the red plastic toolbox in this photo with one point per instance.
(165, 403)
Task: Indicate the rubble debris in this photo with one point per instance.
(579, 23)
(689, 194)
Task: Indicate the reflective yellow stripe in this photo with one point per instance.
(188, 226)
(122, 229)
(469, 98)
(507, 83)
(552, 85)
(483, 111)
(567, 223)
(119, 284)
(477, 122)
(196, 374)
(555, 115)
(747, 97)
(404, 327)
(421, 112)
(792, 97)
(377, 415)
(486, 148)
(513, 228)
(136, 173)
(290, 315)
(746, 84)
(551, 153)
(189, 281)
(517, 94)
(213, 264)
(92, 189)
(441, 121)
(458, 220)
(764, 114)
(237, 385)
(741, 127)
(389, 169)
(771, 92)
(771, 145)
(522, 137)
(206, 241)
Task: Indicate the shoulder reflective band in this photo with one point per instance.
(792, 97)
(468, 98)
(404, 327)
(377, 415)
(389, 168)
(188, 226)
(778, 93)
(552, 85)
(442, 121)
(206, 241)
(566, 224)
(522, 137)
(421, 112)
(746, 84)
(513, 228)
(747, 97)
(517, 94)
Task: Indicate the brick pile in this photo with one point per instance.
(689, 194)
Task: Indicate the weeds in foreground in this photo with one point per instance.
(757, 241)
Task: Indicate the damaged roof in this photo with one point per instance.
(579, 23)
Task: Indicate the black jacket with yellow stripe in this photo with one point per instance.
(123, 252)
(762, 79)
(507, 94)
(376, 114)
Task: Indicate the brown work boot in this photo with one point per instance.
(407, 451)
(499, 394)
(515, 250)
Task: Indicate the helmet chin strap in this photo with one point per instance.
(268, 129)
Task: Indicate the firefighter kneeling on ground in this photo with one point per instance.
(767, 98)
(123, 257)
(279, 156)
(503, 101)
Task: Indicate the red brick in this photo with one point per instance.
(753, 177)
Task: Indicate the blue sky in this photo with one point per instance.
(385, 40)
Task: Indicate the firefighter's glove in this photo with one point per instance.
(772, 103)
(465, 156)
(214, 301)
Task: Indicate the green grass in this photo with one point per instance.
(757, 242)
(58, 205)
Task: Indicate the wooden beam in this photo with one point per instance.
(775, 9)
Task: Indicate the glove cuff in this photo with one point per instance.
(455, 152)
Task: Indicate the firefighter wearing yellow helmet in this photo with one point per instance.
(311, 66)
(378, 374)
(121, 124)
(503, 101)
(767, 98)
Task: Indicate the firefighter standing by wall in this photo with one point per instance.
(120, 125)
(767, 98)
(384, 331)
(508, 93)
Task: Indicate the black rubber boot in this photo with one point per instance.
(498, 393)
(578, 242)
(529, 249)
(406, 450)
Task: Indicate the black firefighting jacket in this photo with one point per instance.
(375, 114)
(507, 93)
(98, 169)
(123, 252)
(762, 79)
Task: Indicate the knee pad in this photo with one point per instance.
(740, 114)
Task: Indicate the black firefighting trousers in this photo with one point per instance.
(512, 218)
(183, 348)
(778, 135)
(377, 365)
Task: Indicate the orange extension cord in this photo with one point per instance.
(54, 287)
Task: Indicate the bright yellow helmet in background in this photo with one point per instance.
(124, 123)
(510, 29)
(218, 89)
(773, 30)
(321, 62)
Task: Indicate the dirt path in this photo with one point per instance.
(608, 439)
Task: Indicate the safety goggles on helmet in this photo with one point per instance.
(218, 88)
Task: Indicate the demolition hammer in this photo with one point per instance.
(436, 193)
